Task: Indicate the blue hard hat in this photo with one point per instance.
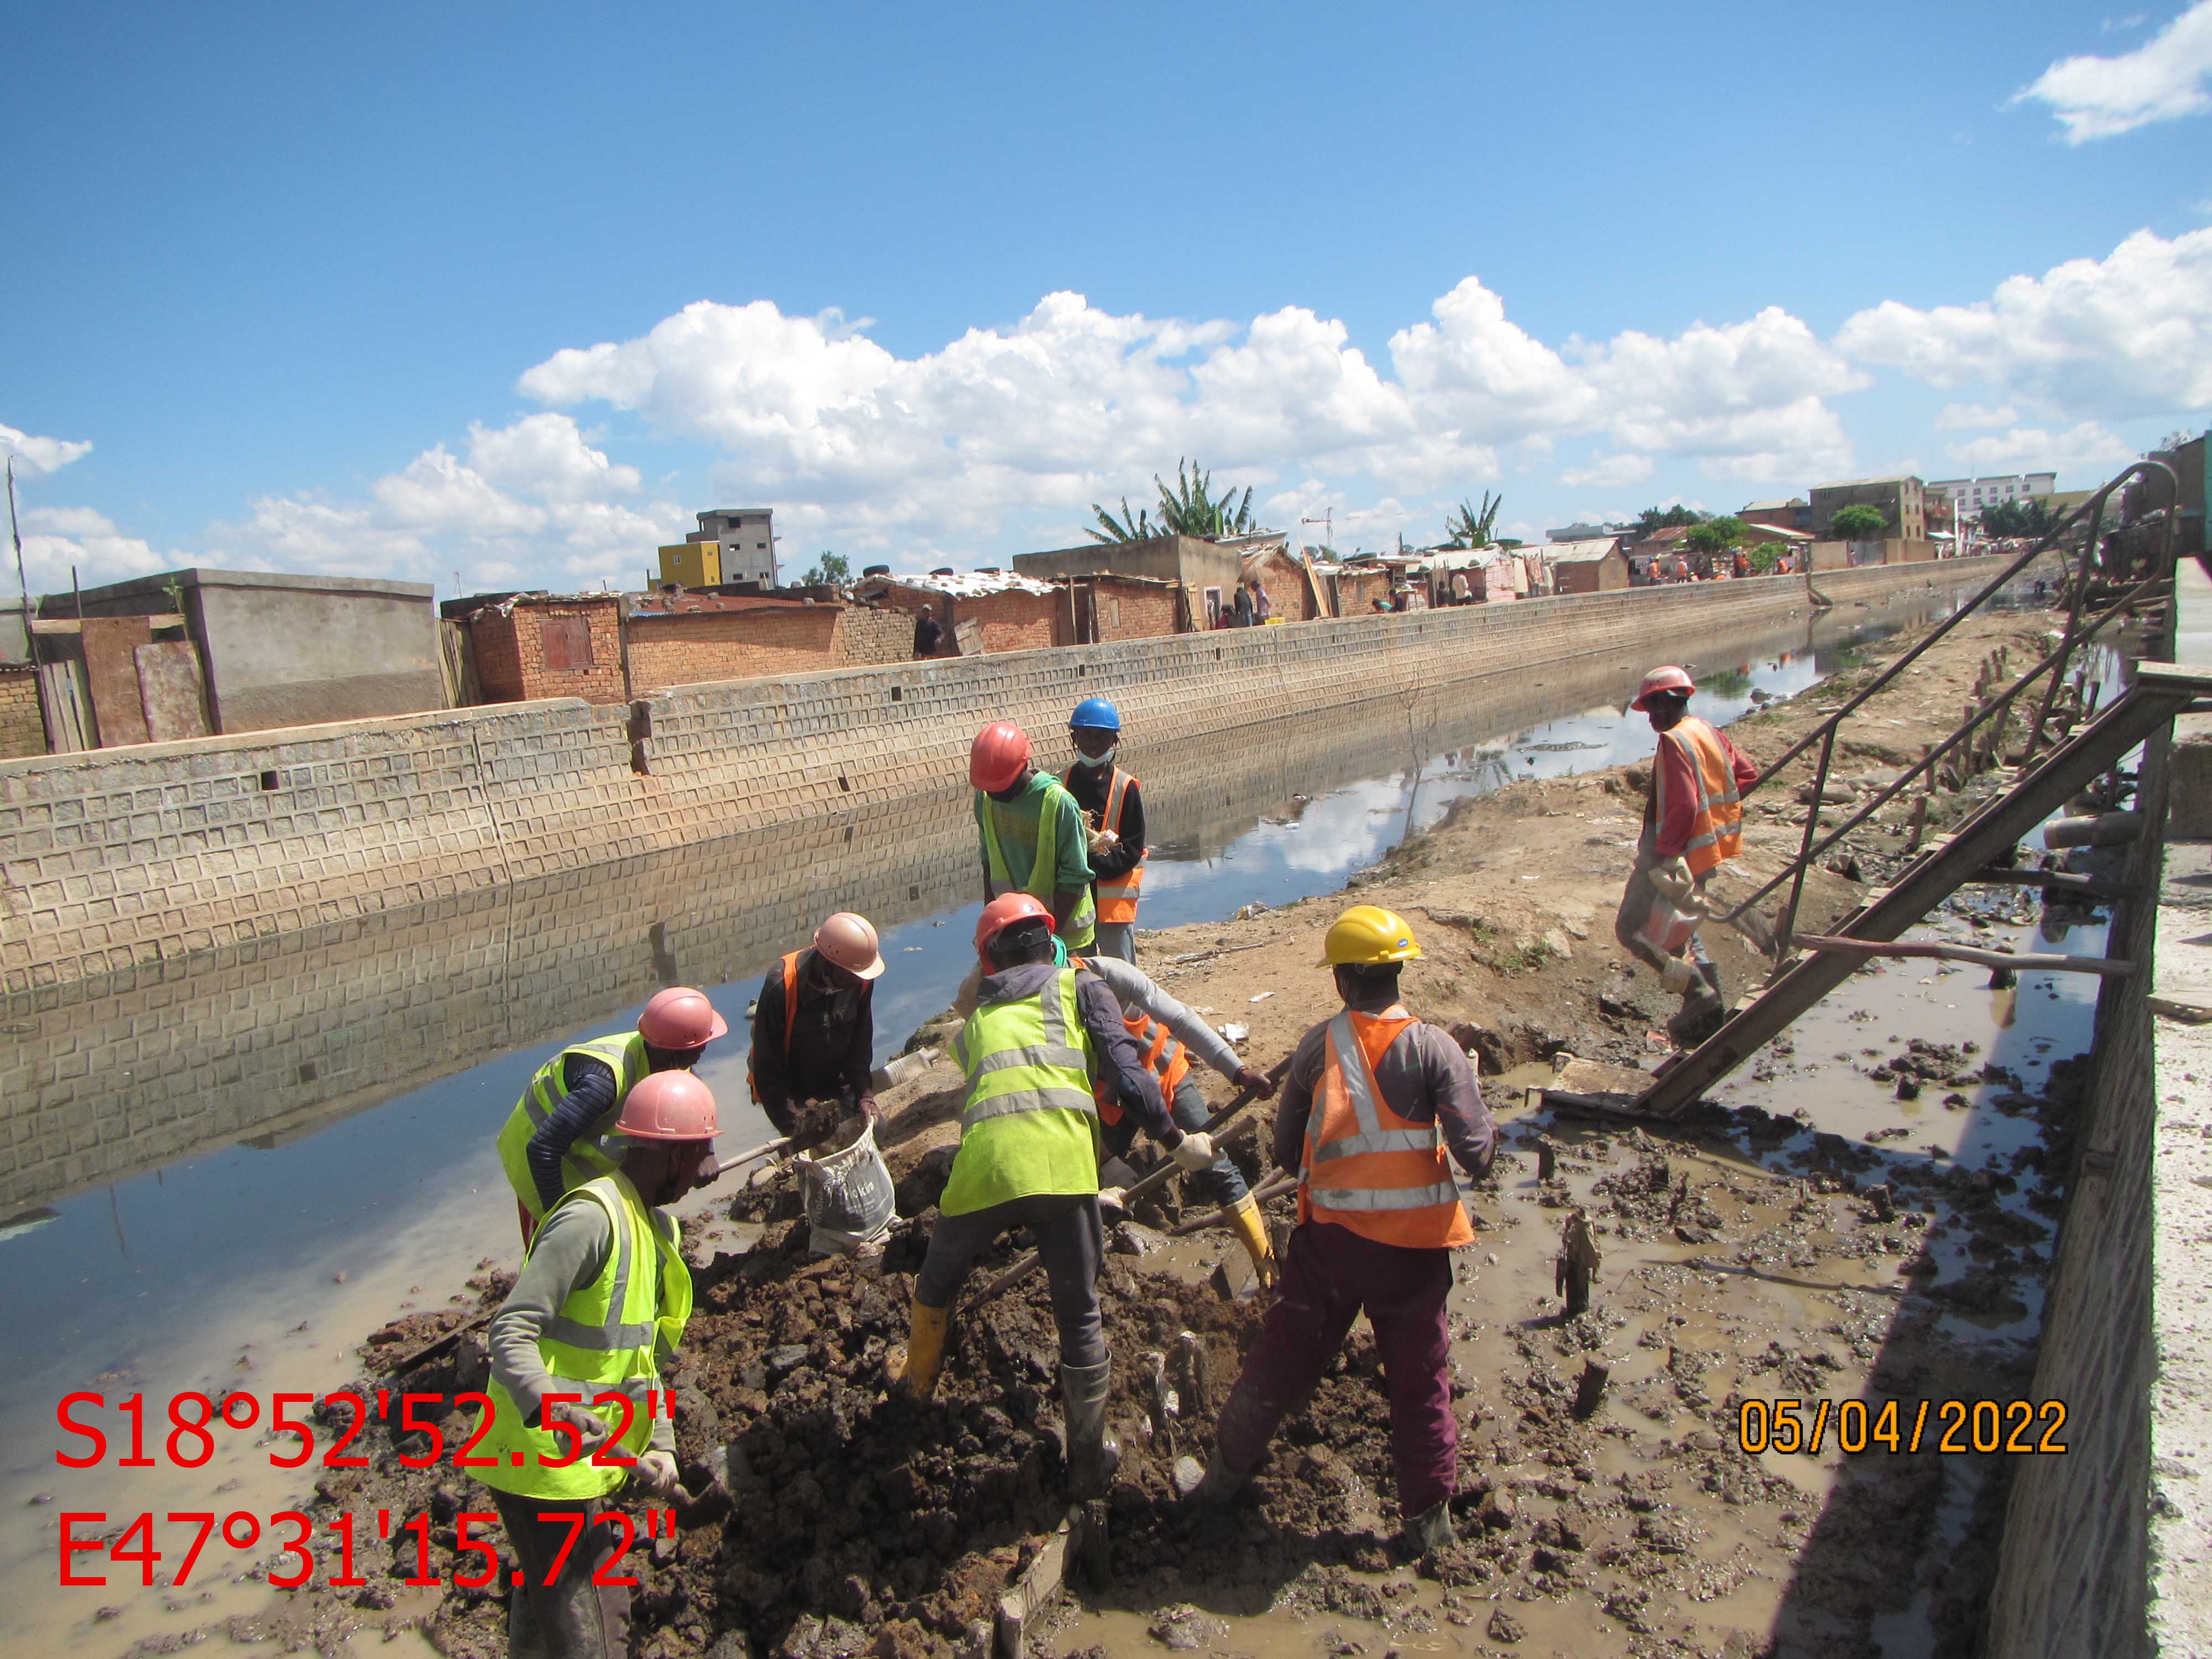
(1095, 714)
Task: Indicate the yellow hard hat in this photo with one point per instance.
(1367, 934)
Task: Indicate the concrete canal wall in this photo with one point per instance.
(120, 857)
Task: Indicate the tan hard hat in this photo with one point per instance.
(849, 941)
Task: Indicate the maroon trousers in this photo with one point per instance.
(1330, 1274)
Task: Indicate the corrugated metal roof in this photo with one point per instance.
(1581, 552)
(967, 583)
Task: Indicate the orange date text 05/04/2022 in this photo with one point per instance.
(92, 1545)
(183, 1434)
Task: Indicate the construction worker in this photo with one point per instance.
(1042, 1037)
(1030, 831)
(1692, 825)
(1168, 1035)
(1373, 1099)
(814, 1023)
(563, 1132)
(1112, 800)
(600, 1304)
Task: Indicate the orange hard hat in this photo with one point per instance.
(680, 1019)
(668, 1106)
(997, 757)
(1002, 912)
(849, 941)
(1669, 680)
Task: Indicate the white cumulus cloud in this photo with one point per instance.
(2128, 336)
(35, 457)
(57, 539)
(2162, 79)
(1606, 471)
(2086, 447)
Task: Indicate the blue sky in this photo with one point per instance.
(512, 291)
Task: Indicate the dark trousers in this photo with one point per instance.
(1070, 1238)
(1223, 1184)
(571, 1618)
(1328, 1277)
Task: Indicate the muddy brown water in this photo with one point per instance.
(258, 1259)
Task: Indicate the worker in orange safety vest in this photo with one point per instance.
(814, 1028)
(1692, 825)
(1373, 1101)
(1114, 803)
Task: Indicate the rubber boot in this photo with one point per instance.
(925, 1350)
(1252, 1228)
(1091, 1457)
(1431, 1530)
(1220, 1483)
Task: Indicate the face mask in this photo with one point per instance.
(1106, 759)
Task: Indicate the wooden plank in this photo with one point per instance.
(67, 708)
(72, 625)
(111, 670)
(170, 690)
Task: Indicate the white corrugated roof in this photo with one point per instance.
(970, 584)
(1595, 547)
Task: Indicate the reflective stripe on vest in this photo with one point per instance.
(1717, 829)
(1366, 1168)
(1044, 866)
(599, 1148)
(1117, 895)
(1028, 1055)
(790, 1015)
(608, 1335)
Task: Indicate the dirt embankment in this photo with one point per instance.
(861, 1523)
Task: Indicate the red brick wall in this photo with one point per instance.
(510, 652)
(1358, 590)
(1011, 620)
(1146, 611)
(702, 648)
(22, 731)
(867, 634)
(1285, 582)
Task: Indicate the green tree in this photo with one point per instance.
(1714, 535)
(1653, 519)
(1767, 555)
(828, 567)
(2030, 516)
(1469, 528)
(1190, 508)
(1857, 523)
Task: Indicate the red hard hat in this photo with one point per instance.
(1002, 912)
(997, 757)
(682, 1019)
(668, 1106)
(1669, 678)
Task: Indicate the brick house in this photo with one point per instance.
(528, 646)
(998, 610)
(1289, 585)
(1594, 565)
(1350, 590)
(1092, 608)
(698, 638)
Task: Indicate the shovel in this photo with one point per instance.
(750, 1155)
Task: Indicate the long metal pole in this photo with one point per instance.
(22, 580)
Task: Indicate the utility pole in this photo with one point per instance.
(21, 581)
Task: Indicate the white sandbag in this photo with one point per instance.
(850, 1202)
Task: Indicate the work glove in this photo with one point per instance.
(1674, 880)
(1113, 1199)
(656, 1473)
(589, 1423)
(1193, 1152)
(1250, 1076)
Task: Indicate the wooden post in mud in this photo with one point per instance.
(1578, 1265)
(1589, 1388)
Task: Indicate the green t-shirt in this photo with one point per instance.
(1016, 822)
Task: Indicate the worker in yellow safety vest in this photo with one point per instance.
(1030, 832)
(1373, 1101)
(576, 1407)
(1692, 825)
(1113, 804)
(564, 1130)
(1041, 1037)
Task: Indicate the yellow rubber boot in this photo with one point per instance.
(1252, 1228)
(925, 1350)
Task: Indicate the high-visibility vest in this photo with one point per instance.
(1030, 1125)
(1165, 1056)
(790, 1016)
(1717, 831)
(1366, 1169)
(599, 1149)
(1044, 868)
(1117, 895)
(608, 1334)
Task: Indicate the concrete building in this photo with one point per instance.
(979, 610)
(1968, 496)
(1207, 571)
(1595, 565)
(277, 650)
(1901, 502)
(1794, 513)
(746, 537)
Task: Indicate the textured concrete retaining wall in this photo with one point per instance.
(123, 857)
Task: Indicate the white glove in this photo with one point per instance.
(1193, 1152)
(1674, 880)
(1113, 1198)
(1679, 976)
(656, 1472)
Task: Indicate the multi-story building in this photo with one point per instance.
(1970, 496)
(1902, 501)
(1793, 514)
(746, 539)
